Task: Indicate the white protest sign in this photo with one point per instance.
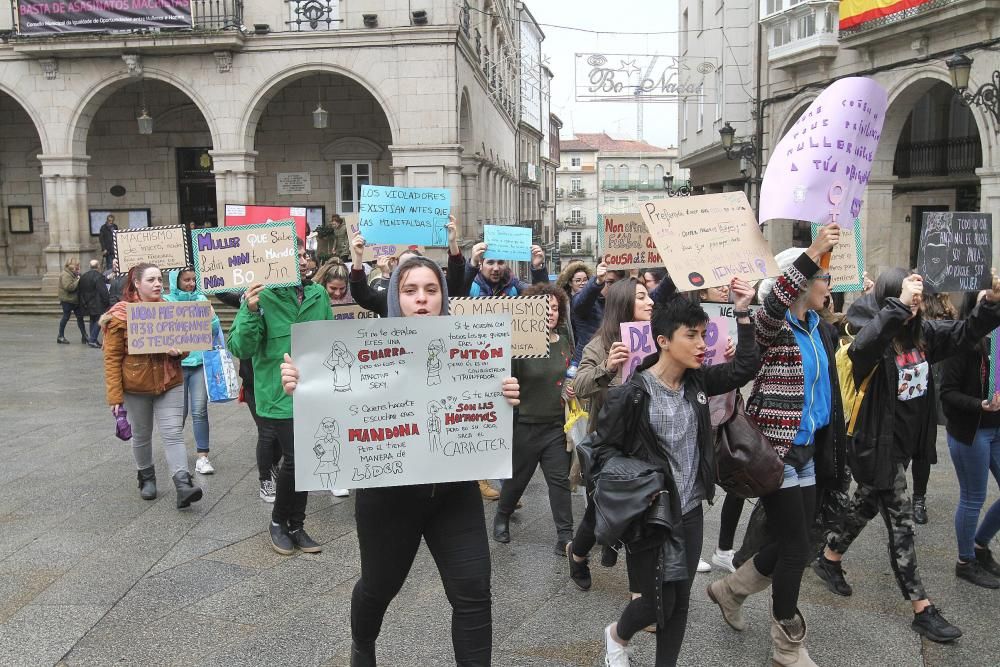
(393, 402)
(529, 326)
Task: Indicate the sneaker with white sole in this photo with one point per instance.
(203, 466)
(267, 490)
(724, 558)
(703, 566)
(616, 655)
(340, 493)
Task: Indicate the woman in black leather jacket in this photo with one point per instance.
(661, 416)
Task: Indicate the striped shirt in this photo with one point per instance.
(675, 425)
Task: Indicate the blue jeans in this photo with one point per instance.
(67, 310)
(196, 400)
(973, 464)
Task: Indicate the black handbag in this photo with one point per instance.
(746, 463)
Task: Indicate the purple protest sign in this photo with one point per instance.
(819, 169)
(638, 338)
(717, 339)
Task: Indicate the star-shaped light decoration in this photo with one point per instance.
(629, 67)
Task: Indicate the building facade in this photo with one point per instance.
(412, 97)
(532, 124)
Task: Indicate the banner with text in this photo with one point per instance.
(373, 252)
(160, 326)
(717, 338)
(229, 259)
(358, 423)
(625, 243)
(955, 250)
(404, 215)
(507, 242)
(530, 338)
(250, 214)
(166, 247)
(847, 261)
(352, 312)
(638, 338)
(706, 241)
(720, 312)
(50, 18)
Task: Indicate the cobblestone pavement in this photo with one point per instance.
(90, 574)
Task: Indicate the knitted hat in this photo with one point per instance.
(785, 259)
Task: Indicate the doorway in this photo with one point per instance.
(196, 188)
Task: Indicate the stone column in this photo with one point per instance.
(453, 181)
(470, 197)
(64, 185)
(989, 202)
(886, 241)
(399, 176)
(235, 173)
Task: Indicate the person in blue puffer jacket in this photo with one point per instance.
(493, 277)
(183, 288)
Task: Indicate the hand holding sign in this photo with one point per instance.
(826, 239)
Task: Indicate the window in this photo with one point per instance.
(806, 26)
(575, 184)
(575, 215)
(773, 6)
(623, 174)
(350, 177)
(643, 174)
(609, 201)
(720, 88)
(576, 241)
(623, 204)
(780, 34)
(701, 108)
(574, 162)
(658, 174)
(609, 174)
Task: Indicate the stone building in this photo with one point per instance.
(345, 92)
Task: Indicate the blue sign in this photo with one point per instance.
(507, 242)
(406, 216)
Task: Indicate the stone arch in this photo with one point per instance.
(346, 148)
(465, 126)
(32, 114)
(797, 110)
(79, 125)
(267, 90)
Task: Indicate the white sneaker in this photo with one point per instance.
(703, 566)
(267, 490)
(724, 559)
(203, 466)
(616, 655)
(340, 493)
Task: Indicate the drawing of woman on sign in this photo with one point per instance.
(434, 351)
(327, 450)
(340, 362)
(434, 425)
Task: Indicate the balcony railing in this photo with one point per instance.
(216, 14)
(959, 156)
(891, 19)
(310, 15)
(574, 222)
(632, 185)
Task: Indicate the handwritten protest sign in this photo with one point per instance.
(638, 338)
(233, 258)
(819, 169)
(625, 243)
(159, 326)
(392, 402)
(507, 242)
(528, 320)
(352, 312)
(955, 250)
(725, 312)
(253, 214)
(717, 338)
(374, 252)
(706, 241)
(404, 215)
(166, 247)
(847, 261)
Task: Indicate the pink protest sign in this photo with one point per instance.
(638, 337)
(717, 339)
(819, 169)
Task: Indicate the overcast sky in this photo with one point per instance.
(560, 45)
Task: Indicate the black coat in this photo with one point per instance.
(871, 448)
(965, 384)
(93, 293)
(830, 458)
(107, 237)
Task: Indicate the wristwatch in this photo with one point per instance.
(741, 313)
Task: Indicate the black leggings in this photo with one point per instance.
(450, 519)
(289, 504)
(584, 538)
(921, 475)
(268, 453)
(641, 611)
(732, 509)
(789, 515)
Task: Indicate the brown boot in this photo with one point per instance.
(730, 592)
(487, 491)
(789, 639)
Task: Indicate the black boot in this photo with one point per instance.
(920, 510)
(501, 527)
(187, 492)
(147, 483)
(362, 655)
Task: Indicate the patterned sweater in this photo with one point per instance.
(778, 394)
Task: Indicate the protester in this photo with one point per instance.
(587, 307)
(796, 403)
(972, 408)
(493, 277)
(106, 236)
(660, 416)
(897, 423)
(184, 288)
(69, 299)
(116, 287)
(333, 277)
(312, 266)
(378, 278)
(652, 278)
(573, 278)
(539, 439)
(148, 386)
(261, 332)
(92, 291)
(341, 244)
(449, 517)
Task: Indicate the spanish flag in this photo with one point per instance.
(855, 12)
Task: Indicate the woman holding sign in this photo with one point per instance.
(150, 387)
(391, 521)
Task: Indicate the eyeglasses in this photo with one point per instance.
(826, 278)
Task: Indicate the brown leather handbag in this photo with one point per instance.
(745, 463)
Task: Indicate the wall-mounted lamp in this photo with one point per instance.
(261, 28)
(745, 151)
(986, 98)
(371, 20)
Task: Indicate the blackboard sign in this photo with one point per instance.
(955, 251)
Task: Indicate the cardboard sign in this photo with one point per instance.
(373, 252)
(166, 247)
(638, 338)
(717, 338)
(393, 402)
(159, 326)
(955, 251)
(530, 333)
(228, 259)
(404, 215)
(352, 312)
(819, 170)
(248, 214)
(708, 240)
(625, 243)
(847, 261)
(507, 242)
(720, 312)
